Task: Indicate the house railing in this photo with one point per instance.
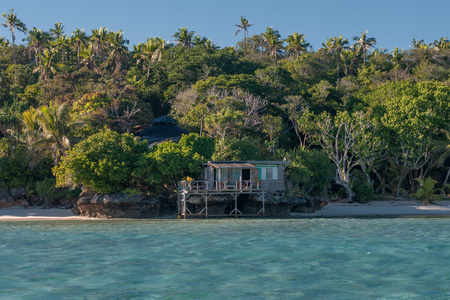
(225, 185)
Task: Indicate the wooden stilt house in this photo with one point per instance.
(233, 178)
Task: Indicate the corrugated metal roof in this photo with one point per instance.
(229, 165)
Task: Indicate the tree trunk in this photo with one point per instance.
(445, 181)
(347, 188)
(15, 60)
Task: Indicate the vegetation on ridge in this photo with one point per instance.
(370, 120)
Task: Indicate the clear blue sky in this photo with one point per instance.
(394, 23)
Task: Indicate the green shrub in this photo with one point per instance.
(47, 189)
(310, 172)
(363, 192)
(104, 163)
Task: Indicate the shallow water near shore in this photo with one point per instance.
(226, 259)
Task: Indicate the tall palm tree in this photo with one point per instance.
(79, 39)
(119, 51)
(14, 23)
(149, 53)
(296, 44)
(61, 44)
(397, 56)
(418, 44)
(38, 40)
(364, 43)
(184, 37)
(442, 43)
(244, 27)
(99, 41)
(58, 31)
(199, 40)
(210, 45)
(336, 45)
(88, 55)
(273, 41)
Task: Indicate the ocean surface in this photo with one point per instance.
(226, 259)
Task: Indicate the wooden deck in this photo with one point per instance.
(207, 188)
(222, 186)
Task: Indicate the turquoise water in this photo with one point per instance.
(226, 259)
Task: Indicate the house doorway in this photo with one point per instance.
(245, 174)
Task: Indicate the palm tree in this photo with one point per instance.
(46, 65)
(14, 23)
(149, 52)
(184, 37)
(99, 41)
(364, 43)
(443, 43)
(244, 27)
(336, 45)
(3, 41)
(38, 40)
(119, 51)
(419, 44)
(61, 44)
(58, 31)
(88, 58)
(199, 41)
(79, 39)
(273, 40)
(296, 44)
(397, 56)
(53, 125)
(210, 45)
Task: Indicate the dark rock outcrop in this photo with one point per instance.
(119, 206)
(14, 197)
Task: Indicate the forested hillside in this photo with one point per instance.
(353, 119)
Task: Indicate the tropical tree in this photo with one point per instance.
(53, 125)
(46, 64)
(99, 42)
(210, 45)
(3, 41)
(150, 52)
(296, 44)
(244, 27)
(418, 44)
(336, 45)
(273, 40)
(119, 51)
(199, 41)
(79, 40)
(343, 138)
(184, 37)
(443, 148)
(427, 192)
(364, 43)
(61, 45)
(13, 23)
(58, 31)
(442, 43)
(397, 56)
(38, 40)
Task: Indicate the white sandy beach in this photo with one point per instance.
(394, 208)
(26, 214)
(382, 209)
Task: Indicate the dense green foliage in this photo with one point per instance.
(104, 162)
(352, 107)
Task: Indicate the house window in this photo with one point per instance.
(268, 172)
